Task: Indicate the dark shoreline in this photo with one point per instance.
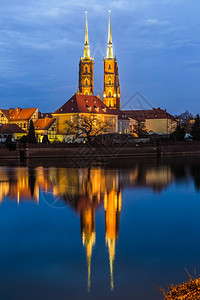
(111, 163)
(101, 153)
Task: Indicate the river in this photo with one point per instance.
(98, 232)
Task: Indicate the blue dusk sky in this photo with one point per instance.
(157, 45)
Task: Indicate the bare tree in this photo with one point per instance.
(87, 126)
(185, 120)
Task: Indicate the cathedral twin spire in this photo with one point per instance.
(86, 53)
(111, 91)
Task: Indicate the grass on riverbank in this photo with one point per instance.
(185, 291)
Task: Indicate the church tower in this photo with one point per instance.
(86, 81)
(111, 95)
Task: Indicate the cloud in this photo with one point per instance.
(192, 64)
(43, 37)
(153, 22)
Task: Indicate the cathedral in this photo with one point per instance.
(84, 104)
(104, 114)
(111, 87)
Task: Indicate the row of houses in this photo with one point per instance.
(56, 125)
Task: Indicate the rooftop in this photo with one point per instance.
(85, 104)
(155, 113)
(18, 113)
(44, 124)
(11, 128)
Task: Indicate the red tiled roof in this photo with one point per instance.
(11, 128)
(155, 113)
(18, 113)
(85, 104)
(44, 124)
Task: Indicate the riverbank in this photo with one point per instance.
(86, 152)
(185, 291)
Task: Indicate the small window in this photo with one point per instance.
(110, 82)
(110, 94)
(86, 82)
(86, 69)
(109, 67)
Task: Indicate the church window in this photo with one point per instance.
(86, 69)
(86, 93)
(109, 66)
(109, 82)
(109, 94)
(86, 82)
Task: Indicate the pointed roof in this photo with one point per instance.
(19, 114)
(11, 128)
(86, 53)
(44, 124)
(85, 104)
(109, 47)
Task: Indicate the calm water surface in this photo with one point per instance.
(98, 233)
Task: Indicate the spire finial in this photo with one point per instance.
(86, 53)
(109, 47)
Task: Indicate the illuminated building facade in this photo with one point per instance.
(19, 116)
(80, 108)
(10, 130)
(153, 120)
(45, 126)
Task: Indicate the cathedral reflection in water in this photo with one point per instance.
(85, 190)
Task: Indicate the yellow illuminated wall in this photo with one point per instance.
(3, 119)
(86, 77)
(62, 126)
(165, 126)
(111, 95)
